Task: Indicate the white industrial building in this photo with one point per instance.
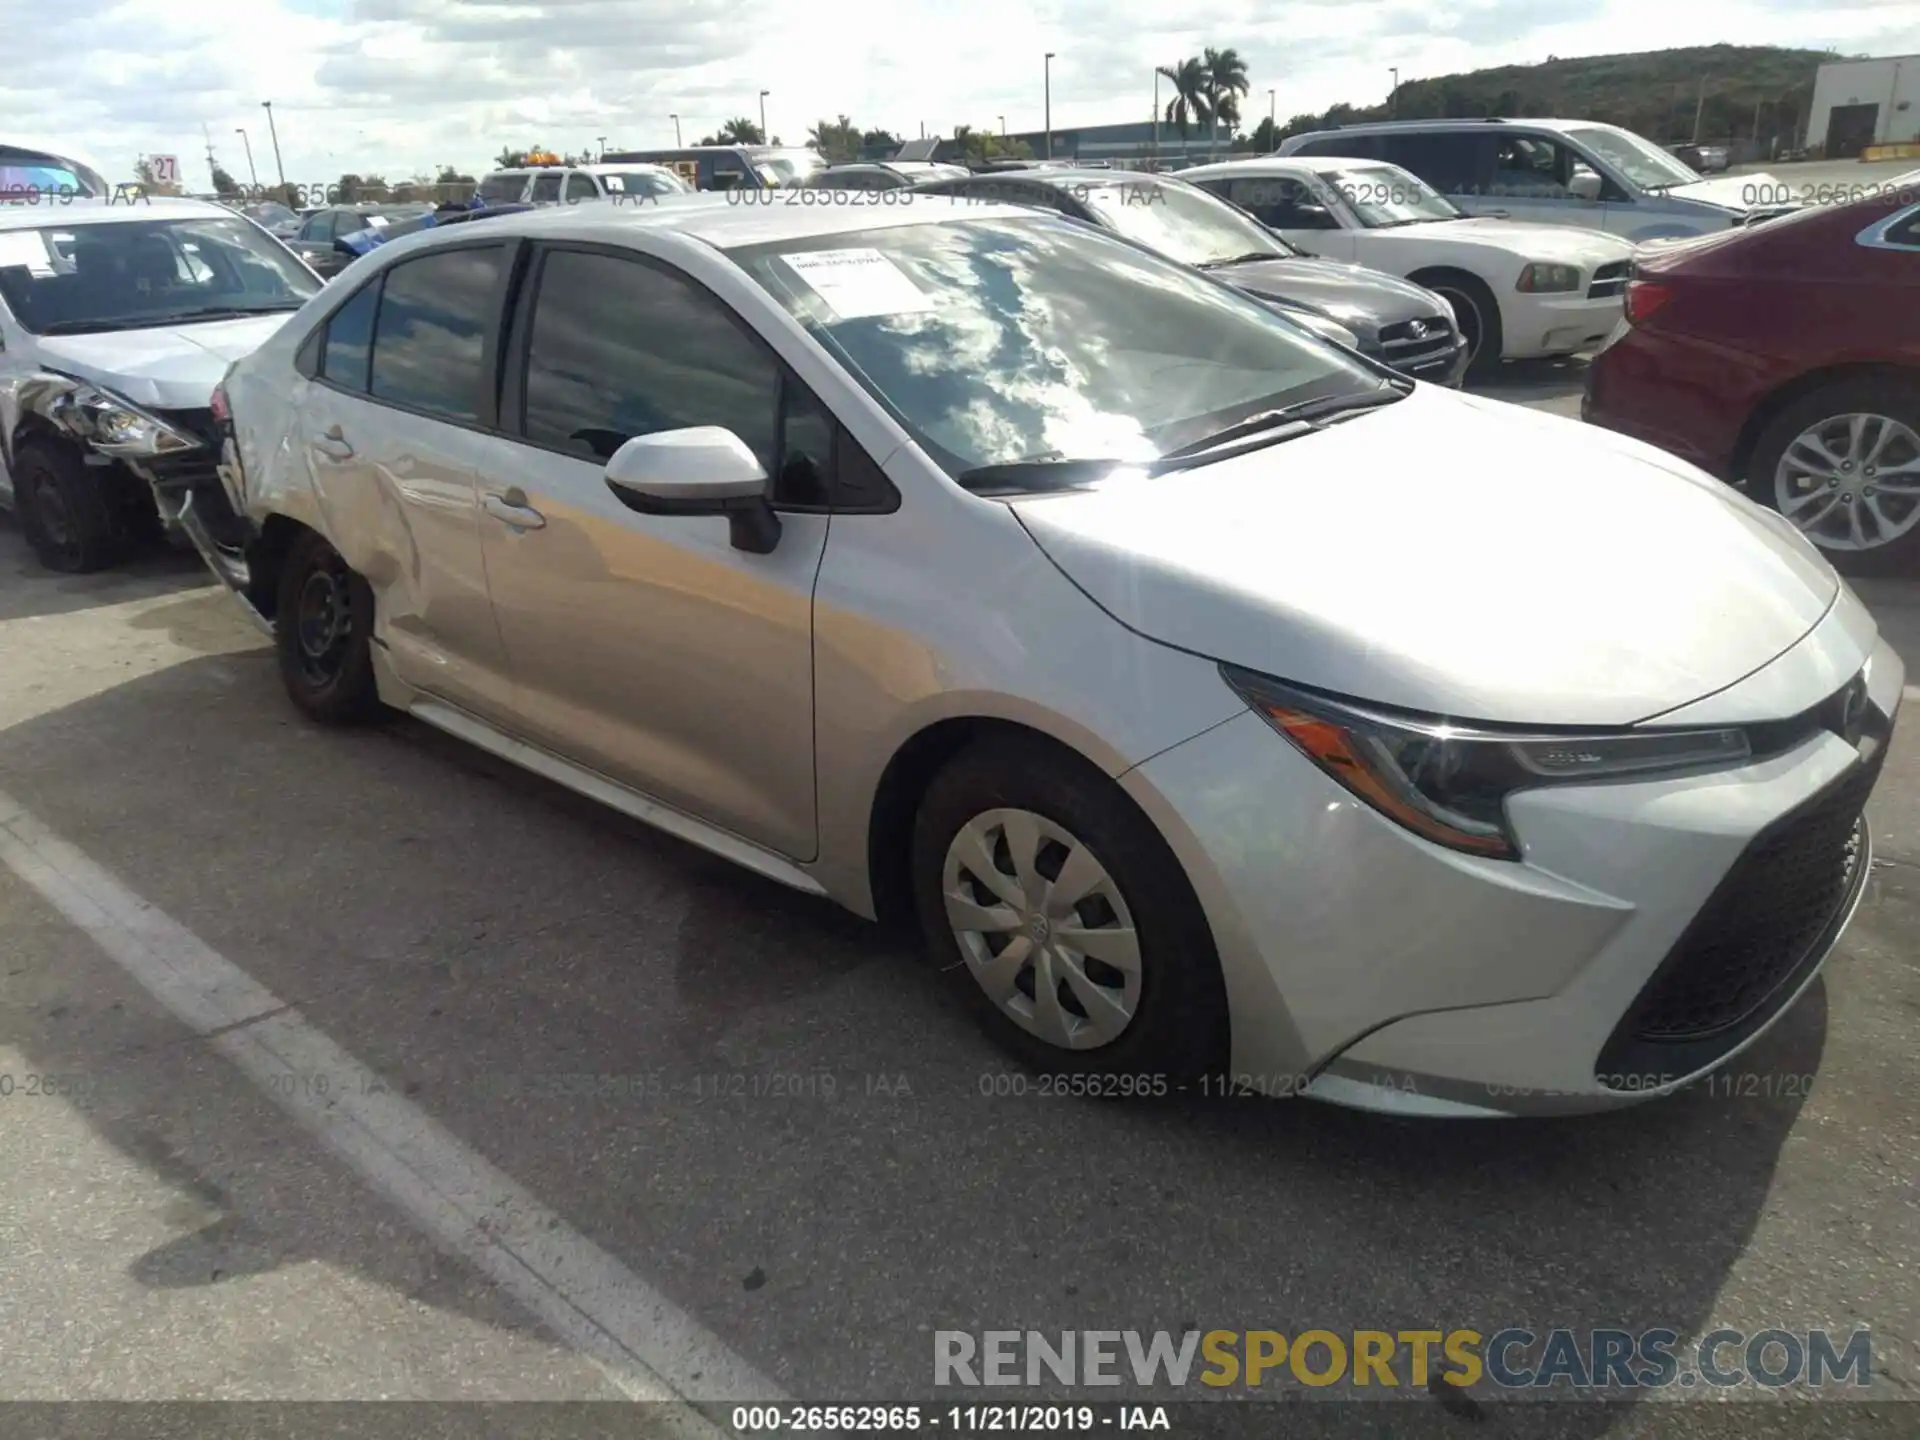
(1857, 103)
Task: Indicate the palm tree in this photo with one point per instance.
(741, 132)
(1191, 98)
(1226, 82)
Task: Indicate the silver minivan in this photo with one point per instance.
(1560, 172)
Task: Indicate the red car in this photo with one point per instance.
(1785, 359)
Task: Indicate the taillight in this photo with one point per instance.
(1644, 297)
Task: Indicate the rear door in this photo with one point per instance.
(391, 423)
(1458, 164)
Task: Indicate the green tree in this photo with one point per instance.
(510, 159)
(224, 184)
(874, 141)
(1264, 140)
(837, 140)
(450, 176)
(739, 131)
(1192, 102)
(1226, 83)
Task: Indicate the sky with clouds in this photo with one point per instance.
(396, 87)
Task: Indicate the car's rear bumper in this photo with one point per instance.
(1369, 967)
(1680, 395)
(1538, 326)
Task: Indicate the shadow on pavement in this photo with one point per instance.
(832, 1165)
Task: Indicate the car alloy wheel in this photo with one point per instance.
(323, 622)
(1466, 314)
(1851, 481)
(1044, 929)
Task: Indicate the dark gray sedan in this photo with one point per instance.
(1394, 321)
(315, 242)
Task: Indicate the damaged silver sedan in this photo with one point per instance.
(116, 322)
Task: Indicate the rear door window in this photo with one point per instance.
(581, 187)
(348, 346)
(1453, 164)
(546, 189)
(431, 331)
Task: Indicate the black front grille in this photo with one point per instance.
(1417, 347)
(1610, 280)
(1766, 926)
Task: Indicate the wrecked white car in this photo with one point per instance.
(116, 322)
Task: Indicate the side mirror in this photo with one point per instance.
(1584, 185)
(704, 470)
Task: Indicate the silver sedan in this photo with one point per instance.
(1228, 712)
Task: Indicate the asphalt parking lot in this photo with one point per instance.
(518, 1101)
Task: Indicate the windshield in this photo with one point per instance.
(1180, 222)
(1640, 160)
(129, 274)
(270, 214)
(503, 187)
(643, 182)
(787, 167)
(1001, 340)
(1384, 195)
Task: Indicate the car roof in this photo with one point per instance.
(725, 223)
(614, 167)
(103, 211)
(1059, 175)
(1281, 164)
(1496, 122)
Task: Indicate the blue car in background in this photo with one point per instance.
(374, 236)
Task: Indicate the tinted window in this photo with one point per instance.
(502, 187)
(619, 348)
(581, 187)
(546, 189)
(1907, 233)
(433, 318)
(318, 227)
(1359, 146)
(345, 222)
(1452, 164)
(349, 340)
(1279, 201)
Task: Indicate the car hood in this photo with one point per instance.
(172, 367)
(1452, 555)
(1731, 192)
(1554, 244)
(1347, 293)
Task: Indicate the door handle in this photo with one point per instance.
(512, 508)
(334, 445)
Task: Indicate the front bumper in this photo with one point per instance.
(1535, 326)
(1367, 967)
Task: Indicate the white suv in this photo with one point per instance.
(1556, 172)
(578, 184)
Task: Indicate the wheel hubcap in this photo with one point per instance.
(1851, 482)
(1043, 927)
(324, 624)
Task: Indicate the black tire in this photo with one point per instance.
(325, 641)
(75, 515)
(1178, 1030)
(1477, 314)
(1888, 395)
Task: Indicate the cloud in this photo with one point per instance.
(397, 87)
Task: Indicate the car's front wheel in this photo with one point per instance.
(323, 630)
(1843, 464)
(1065, 922)
(1477, 314)
(74, 515)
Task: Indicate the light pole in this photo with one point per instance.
(252, 174)
(1003, 127)
(765, 134)
(1273, 126)
(1156, 117)
(1393, 96)
(676, 128)
(273, 130)
(1046, 74)
(603, 146)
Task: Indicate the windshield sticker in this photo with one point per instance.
(378, 222)
(25, 247)
(859, 284)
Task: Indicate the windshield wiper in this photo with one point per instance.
(1037, 473)
(1304, 414)
(232, 312)
(1247, 258)
(87, 327)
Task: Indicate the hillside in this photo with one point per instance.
(1653, 92)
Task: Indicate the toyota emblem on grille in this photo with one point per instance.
(1418, 330)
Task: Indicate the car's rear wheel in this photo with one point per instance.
(1843, 464)
(323, 630)
(72, 513)
(1064, 921)
(1476, 312)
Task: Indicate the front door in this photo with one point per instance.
(646, 647)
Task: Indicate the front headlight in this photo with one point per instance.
(1542, 278)
(118, 427)
(1450, 783)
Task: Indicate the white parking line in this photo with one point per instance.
(651, 1349)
